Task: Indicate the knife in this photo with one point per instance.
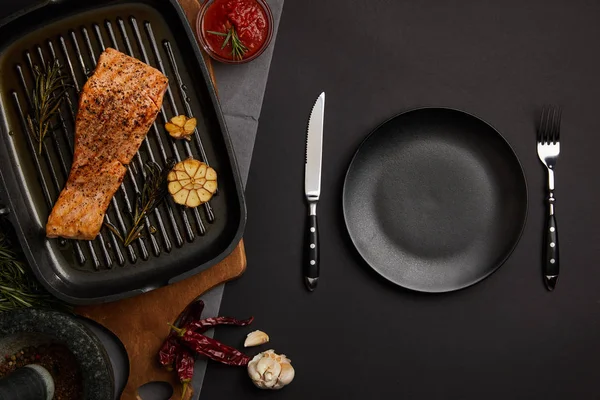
(312, 189)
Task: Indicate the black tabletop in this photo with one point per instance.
(357, 336)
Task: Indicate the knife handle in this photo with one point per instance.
(311, 269)
(551, 260)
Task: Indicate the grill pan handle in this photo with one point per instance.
(43, 3)
(36, 6)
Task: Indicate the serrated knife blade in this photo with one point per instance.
(312, 188)
(314, 150)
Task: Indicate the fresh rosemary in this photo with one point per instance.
(237, 47)
(18, 287)
(47, 96)
(153, 193)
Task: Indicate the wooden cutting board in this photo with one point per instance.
(141, 322)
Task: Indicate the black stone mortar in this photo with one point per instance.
(94, 349)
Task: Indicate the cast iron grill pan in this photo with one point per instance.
(177, 242)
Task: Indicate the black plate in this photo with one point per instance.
(435, 200)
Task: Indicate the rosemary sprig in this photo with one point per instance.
(237, 47)
(47, 96)
(18, 287)
(153, 193)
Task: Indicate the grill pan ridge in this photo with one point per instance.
(177, 242)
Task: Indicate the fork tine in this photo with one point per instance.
(540, 131)
(558, 120)
(548, 128)
(552, 127)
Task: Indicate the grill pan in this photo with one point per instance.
(177, 242)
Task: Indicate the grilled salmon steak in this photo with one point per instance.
(118, 104)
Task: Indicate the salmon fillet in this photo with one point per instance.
(117, 107)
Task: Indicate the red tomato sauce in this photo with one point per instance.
(247, 17)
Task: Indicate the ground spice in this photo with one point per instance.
(58, 360)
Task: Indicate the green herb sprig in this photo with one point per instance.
(238, 49)
(48, 93)
(153, 193)
(18, 287)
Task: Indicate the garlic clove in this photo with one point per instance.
(201, 173)
(179, 167)
(255, 338)
(253, 373)
(193, 200)
(179, 120)
(172, 128)
(182, 175)
(204, 195)
(189, 126)
(211, 186)
(181, 196)
(174, 186)
(191, 166)
(286, 376)
(211, 175)
(270, 383)
(202, 181)
(184, 182)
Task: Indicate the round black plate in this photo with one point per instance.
(435, 200)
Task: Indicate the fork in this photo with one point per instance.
(548, 149)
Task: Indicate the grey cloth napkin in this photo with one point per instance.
(241, 91)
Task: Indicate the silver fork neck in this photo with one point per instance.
(551, 179)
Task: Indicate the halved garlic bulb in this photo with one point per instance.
(269, 370)
(192, 182)
(181, 127)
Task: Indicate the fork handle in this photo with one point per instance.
(551, 260)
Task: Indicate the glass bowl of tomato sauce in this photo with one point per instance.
(235, 31)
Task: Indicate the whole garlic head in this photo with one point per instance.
(269, 370)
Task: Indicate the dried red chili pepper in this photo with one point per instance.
(211, 348)
(203, 325)
(185, 372)
(192, 312)
(169, 349)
